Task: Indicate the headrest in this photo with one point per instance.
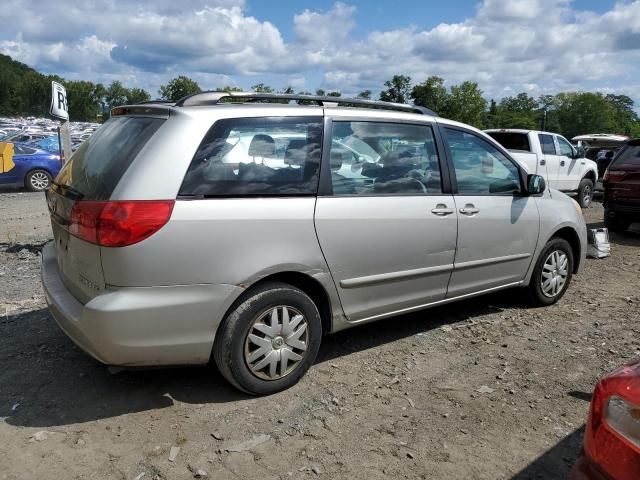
(262, 146)
(337, 157)
(296, 152)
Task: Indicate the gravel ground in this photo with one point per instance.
(483, 389)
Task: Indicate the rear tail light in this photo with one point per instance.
(120, 223)
(614, 175)
(612, 438)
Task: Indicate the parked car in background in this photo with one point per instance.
(622, 188)
(250, 244)
(24, 165)
(554, 158)
(600, 147)
(611, 449)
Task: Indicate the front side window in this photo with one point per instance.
(547, 144)
(565, 147)
(480, 168)
(377, 158)
(257, 156)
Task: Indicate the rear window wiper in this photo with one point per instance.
(68, 191)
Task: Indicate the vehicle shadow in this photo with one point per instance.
(557, 462)
(47, 381)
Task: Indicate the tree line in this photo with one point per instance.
(24, 91)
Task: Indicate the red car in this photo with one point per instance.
(611, 449)
(622, 188)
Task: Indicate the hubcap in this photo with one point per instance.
(554, 273)
(276, 343)
(39, 180)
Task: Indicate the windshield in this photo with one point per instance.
(98, 165)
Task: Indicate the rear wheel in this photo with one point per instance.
(552, 274)
(615, 224)
(585, 193)
(269, 341)
(37, 180)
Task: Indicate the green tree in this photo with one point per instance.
(335, 93)
(84, 100)
(178, 87)
(262, 88)
(398, 89)
(585, 112)
(365, 94)
(116, 94)
(431, 94)
(320, 92)
(137, 95)
(466, 104)
(521, 111)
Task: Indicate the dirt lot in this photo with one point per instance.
(484, 389)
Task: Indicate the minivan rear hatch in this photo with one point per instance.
(85, 182)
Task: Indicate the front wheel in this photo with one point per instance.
(585, 193)
(37, 180)
(269, 340)
(552, 274)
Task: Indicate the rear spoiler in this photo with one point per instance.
(148, 110)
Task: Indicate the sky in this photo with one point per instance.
(506, 46)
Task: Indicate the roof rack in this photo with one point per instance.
(214, 98)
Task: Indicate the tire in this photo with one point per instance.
(247, 338)
(615, 224)
(37, 180)
(538, 295)
(585, 193)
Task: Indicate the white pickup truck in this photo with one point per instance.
(553, 157)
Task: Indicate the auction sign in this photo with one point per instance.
(59, 108)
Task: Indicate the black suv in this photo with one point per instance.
(622, 188)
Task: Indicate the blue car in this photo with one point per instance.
(29, 167)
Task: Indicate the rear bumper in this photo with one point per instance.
(139, 326)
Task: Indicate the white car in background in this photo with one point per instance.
(551, 156)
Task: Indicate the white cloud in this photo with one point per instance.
(508, 46)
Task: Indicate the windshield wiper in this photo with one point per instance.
(68, 191)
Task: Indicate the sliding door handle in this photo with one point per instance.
(469, 209)
(441, 210)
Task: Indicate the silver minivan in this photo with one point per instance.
(228, 226)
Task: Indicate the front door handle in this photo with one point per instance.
(562, 163)
(543, 162)
(441, 210)
(469, 209)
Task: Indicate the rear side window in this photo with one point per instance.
(22, 150)
(629, 155)
(376, 158)
(257, 157)
(547, 144)
(512, 140)
(98, 165)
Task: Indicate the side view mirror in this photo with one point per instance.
(536, 185)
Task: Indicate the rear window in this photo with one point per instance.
(512, 140)
(630, 154)
(98, 165)
(257, 156)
